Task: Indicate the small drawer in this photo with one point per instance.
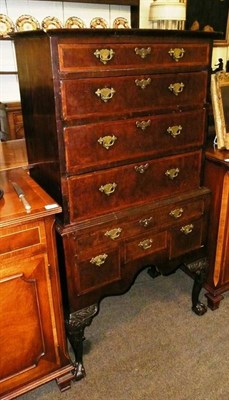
(180, 212)
(144, 245)
(115, 56)
(96, 268)
(187, 237)
(18, 239)
(100, 98)
(95, 146)
(133, 184)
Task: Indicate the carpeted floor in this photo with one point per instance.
(148, 345)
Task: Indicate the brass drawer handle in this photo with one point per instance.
(146, 244)
(141, 168)
(176, 53)
(143, 124)
(172, 173)
(176, 213)
(187, 229)
(107, 141)
(143, 52)
(99, 260)
(174, 131)
(105, 93)
(176, 88)
(142, 82)
(113, 233)
(104, 55)
(146, 222)
(108, 189)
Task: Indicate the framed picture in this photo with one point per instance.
(209, 15)
(220, 106)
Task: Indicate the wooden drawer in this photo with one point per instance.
(86, 57)
(101, 98)
(94, 146)
(187, 237)
(157, 218)
(20, 239)
(144, 245)
(96, 268)
(133, 184)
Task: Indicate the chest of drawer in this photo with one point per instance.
(93, 146)
(132, 184)
(101, 98)
(115, 56)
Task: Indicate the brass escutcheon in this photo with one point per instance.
(99, 260)
(104, 55)
(143, 124)
(142, 82)
(143, 52)
(176, 213)
(108, 189)
(141, 168)
(113, 233)
(175, 130)
(105, 93)
(107, 141)
(146, 222)
(176, 53)
(146, 244)
(187, 229)
(176, 88)
(172, 173)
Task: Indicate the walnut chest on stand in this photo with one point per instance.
(115, 124)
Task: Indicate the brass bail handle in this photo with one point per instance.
(105, 93)
(176, 88)
(176, 53)
(99, 260)
(108, 189)
(143, 52)
(143, 124)
(174, 130)
(104, 55)
(172, 173)
(107, 141)
(143, 83)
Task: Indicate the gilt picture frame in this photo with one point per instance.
(209, 15)
(220, 107)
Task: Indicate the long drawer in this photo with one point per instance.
(95, 146)
(101, 98)
(86, 57)
(132, 184)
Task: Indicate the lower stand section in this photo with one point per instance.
(75, 325)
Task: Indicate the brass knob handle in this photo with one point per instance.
(107, 141)
(146, 222)
(142, 82)
(187, 229)
(113, 233)
(104, 55)
(143, 52)
(174, 131)
(176, 88)
(141, 168)
(143, 124)
(172, 173)
(146, 244)
(105, 93)
(99, 260)
(176, 53)
(176, 213)
(108, 189)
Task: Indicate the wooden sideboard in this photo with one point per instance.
(115, 123)
(216, 177)
(32, 334)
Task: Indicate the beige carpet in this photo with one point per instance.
(148, 345)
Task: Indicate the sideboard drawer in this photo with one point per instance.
(132, 184)
(93, 146)
(143, 245)
(99, 98)
(87, 57)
